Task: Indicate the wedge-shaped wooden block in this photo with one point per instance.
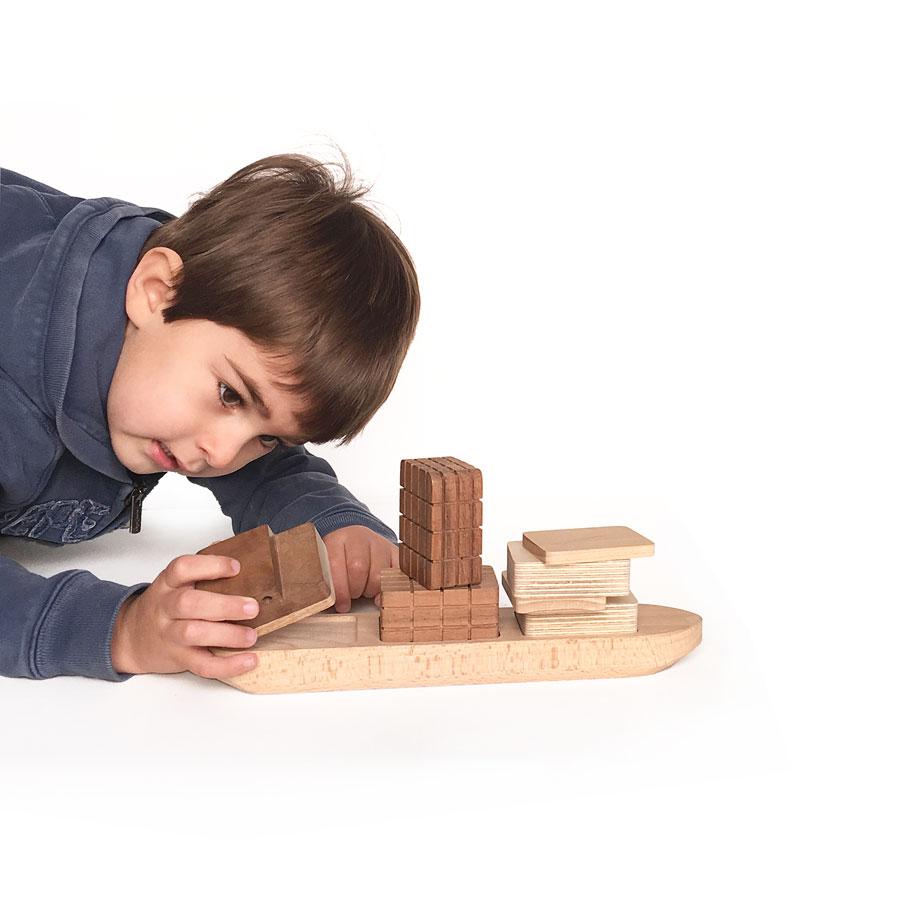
(577, 545)
(287, 574)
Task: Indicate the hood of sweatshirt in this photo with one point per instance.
(70, 305)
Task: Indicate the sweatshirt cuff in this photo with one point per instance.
(334, 519)
(76, 634)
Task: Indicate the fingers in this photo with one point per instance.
(360, 571)
(191, 603)
(338, 563)
(206, 664)
(198, 633)
(195, 567)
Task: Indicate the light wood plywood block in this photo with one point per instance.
(344, 652)
(531, 579)
(574, 545)
(552, 604)
(620, 615)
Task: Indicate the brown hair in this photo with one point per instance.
(287, 254)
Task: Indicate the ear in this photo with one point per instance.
(150, 288)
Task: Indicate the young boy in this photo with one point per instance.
(277, 310)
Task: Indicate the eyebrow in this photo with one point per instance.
(256, 397)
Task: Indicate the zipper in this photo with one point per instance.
(139, 490)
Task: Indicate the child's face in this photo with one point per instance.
(173, 384)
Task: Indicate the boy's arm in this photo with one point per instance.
(287, 487)
(61, 625)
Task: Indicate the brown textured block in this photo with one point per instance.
(457, 596)
(441, 516)
(424, 597)
(435, 545)
(429, 633)
(482, 632)
(426, 615)
(286, 573)
(484, 615)
(455, 633)
(436, 574)
(396, 589)
(396, 618)
(396, 635)
(455, 615)
(441, 479)
(469, 478)
(488, 591)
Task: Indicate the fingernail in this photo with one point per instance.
(251, 609)
(249, 663)
(235, 566)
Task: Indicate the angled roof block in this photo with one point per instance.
(287, 573)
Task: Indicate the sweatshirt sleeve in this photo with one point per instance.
(285, 488)
(61, 625)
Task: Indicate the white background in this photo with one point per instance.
(657, 249)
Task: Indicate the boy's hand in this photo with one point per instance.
(357, 555)
(170, 626)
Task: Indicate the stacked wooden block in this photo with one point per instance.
(574, 581)
(412, 612)
(440, 521)
(442, 591)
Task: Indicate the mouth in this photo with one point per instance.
(164, 458)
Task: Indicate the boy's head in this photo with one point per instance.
(280, 277)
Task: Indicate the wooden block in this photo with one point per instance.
(530, 578)
(441, 573)
(430, 633)
(619, 616)
(424, 597)
(396, 635)
(397, 618)
(441, 516)
(455, 615)
(578, 545)
(344, 652)
(553, 604)
(457, 596)
(426, 615)
(396, 589)
(484, 632)
(471, 483)
(286, 573)
(455, 633)
(484, 615)
(441, 479)
(435, 545)
(488, 591)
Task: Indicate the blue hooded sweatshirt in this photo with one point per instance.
(65, 263)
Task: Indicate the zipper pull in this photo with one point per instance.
(137, 499)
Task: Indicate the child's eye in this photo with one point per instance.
(240, 402)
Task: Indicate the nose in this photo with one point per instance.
(222, 446)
